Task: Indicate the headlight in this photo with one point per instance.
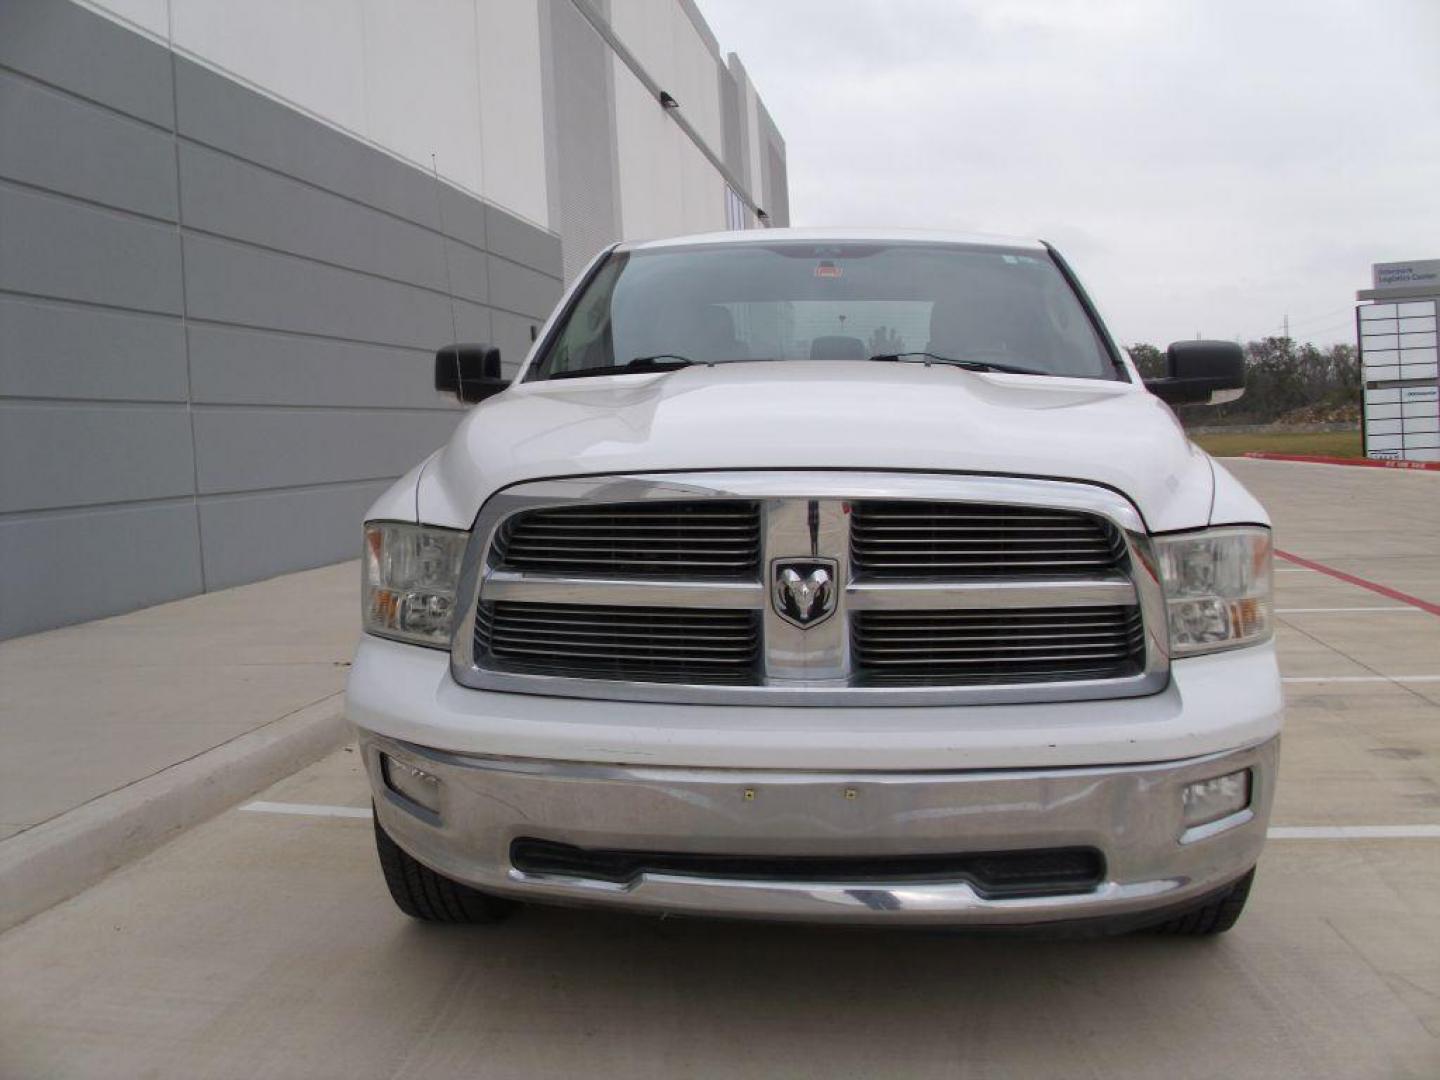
(411, 572)
(1217, 588)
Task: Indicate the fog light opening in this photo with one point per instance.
(1210, 800)
(411, 783)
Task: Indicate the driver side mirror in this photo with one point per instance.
(1201, 373)
(470, 372)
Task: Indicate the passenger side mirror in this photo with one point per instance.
(1201, 373)
(470, 372)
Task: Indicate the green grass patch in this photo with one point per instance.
(1344, 444)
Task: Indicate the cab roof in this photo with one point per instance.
(837, 235)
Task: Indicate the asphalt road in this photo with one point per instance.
(264, 944)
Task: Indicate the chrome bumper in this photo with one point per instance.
(1131, 814)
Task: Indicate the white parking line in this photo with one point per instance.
(1360, 678)
(1292, 570)
(307, 809)
(1276, 832)
(1354, 832)
(1333, 610)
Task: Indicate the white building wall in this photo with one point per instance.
(651, 203)
(512, 120)
(668, 46)
(460, 79)
(463, 80)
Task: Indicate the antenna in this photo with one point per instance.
(445, 253)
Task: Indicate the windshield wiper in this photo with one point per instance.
(969, 365)
(658, 362)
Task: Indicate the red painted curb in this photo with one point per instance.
(1375, 587)
(1369, 463)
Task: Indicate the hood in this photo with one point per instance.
(861, 415)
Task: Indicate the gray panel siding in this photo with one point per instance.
(511, 238)
(234, 366)
(216, 344)
(215, 111)
(253, 448)
(511, 335)
(51, 140)
(67, 46)
(62, 568)
(520, 290)
(72, 251)
(72, 455)
(250, 537)
(57, 350)
(235, 199)
(234, 283)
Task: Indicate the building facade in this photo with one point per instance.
(1396, 329)
(232, 235)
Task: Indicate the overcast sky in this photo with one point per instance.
(1205, 165)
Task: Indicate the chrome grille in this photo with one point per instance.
(711, 539)
(901, 538)
(1026, 645)
(614, 642)
(947, 590)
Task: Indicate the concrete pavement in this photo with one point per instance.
(118, 732)
(264, 944)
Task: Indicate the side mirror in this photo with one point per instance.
(470, 372)
(1201, 373)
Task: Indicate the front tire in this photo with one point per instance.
(1216, 915)
(428, 896)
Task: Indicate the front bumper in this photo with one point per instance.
(1131, 814)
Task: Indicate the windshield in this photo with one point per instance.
(985, 306)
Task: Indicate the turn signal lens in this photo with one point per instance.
(410, 576)
(1218, 592)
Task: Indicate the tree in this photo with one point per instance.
(1279, 377)
(1149, 359)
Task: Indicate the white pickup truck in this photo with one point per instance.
(823, 575)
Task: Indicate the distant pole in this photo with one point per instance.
(1287, 326)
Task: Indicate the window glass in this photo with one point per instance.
(828, 302)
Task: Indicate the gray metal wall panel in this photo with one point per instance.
(56, 247)
(512, 337)
(250, 537)
(520, 290)
(246, 449)
(55, 141)
(508, 236)
(71, 351)
(74, 455)
(235, 283)
(67, 46)
(62, 568)
(585, 136)
(234, 366)
(213, 110)
(235, 199)
(300, 323)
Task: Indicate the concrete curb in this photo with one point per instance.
(53, 861)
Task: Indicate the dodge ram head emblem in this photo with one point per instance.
(804, 590)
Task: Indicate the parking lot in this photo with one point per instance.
(263, 943)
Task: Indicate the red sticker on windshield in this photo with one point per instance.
(828, 269)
